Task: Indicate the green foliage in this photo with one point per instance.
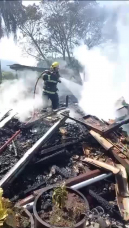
(60, 196)
(6, 75)
(6, 210)
(10, 11)
(10, 215)
(32, 35)
(54, 28)
(31, 13)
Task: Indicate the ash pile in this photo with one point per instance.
(90, 155)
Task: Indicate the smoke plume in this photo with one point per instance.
(107, 71)
(19, 95)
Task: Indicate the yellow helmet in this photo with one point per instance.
(55, 64)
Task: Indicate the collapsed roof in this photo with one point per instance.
(24, 67)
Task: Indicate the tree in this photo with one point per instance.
(31, 30)
(61, 20)
(67, 23)
(10, 11)
(94, 20)
(61, 27)
(54, 28)
(58, 27)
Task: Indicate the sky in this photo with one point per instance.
(9, 50)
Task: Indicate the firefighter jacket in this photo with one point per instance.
(51, 80)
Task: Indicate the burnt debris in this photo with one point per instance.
(54, 149)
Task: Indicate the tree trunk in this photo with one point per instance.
(40, 51)
(69, 57)
(64, 55)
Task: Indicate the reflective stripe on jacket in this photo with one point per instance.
(50, 81)
(46, 91)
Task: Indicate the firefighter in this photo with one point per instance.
(51, 78)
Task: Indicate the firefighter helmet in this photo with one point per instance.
(54, 65)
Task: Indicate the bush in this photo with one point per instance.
(7, 75)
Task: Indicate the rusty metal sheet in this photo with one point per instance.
(90, 122)
(102, 127)
(116, 125)
(95, 123)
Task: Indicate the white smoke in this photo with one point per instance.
(19, 95)
(97, 95)
(107, 72)
(73, 87)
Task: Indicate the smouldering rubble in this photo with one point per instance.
(60, 159)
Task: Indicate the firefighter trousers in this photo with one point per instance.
(54, 99)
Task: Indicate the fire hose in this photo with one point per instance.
(19, 131)
(35, 92)
(36, 84)
(34, 95)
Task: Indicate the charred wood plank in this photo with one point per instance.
(4, 114)
(63, 172)
(7, 119)
(104, 203)
(111, 147)
(32, 123)
(20, 165)
(67, 101)
(58, 147)
(122, 191)
(103, 142)
(122, 161)
(50, 157)
(3, 147)
(102, 165)
(27, 191)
